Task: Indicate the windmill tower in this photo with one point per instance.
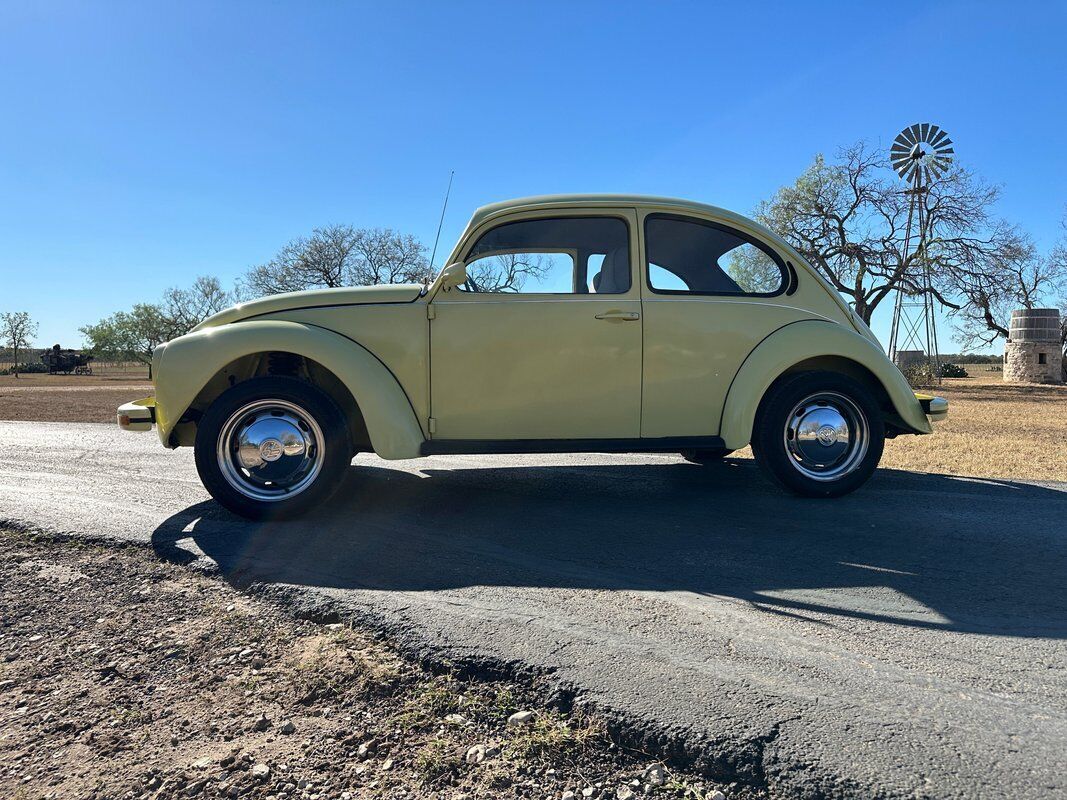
(919, 153)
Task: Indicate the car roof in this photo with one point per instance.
(569, 200)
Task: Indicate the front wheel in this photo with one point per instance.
(272, 447)
(819, 434)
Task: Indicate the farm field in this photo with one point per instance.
(994, 430)
(40, 397)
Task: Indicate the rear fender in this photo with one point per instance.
(798, 342)
(191, 361)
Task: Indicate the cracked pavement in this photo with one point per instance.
(905, 641)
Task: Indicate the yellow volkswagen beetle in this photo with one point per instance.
(602, 323)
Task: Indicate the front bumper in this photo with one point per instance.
(935, 408)
(140, 415)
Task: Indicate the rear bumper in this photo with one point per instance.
(935, 408)
(139, 415)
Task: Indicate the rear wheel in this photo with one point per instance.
(272, 447)
(819, 434)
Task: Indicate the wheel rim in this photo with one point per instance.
(270, 450)
(826, 436)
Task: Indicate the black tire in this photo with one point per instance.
(705, 457)
(295, 406)
(819, 462)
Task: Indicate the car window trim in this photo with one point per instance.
(556, 215)
(778, 260)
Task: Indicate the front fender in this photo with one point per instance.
(189, 362)
(800, 341)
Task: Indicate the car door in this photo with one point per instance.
(712, 292)
(544, 340)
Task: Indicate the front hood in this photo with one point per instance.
(315, 298)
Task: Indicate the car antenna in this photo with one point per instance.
(440, 223)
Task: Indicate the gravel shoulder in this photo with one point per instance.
(124, 676)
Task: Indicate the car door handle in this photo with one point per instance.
(629, 316)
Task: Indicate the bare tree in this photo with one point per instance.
(849, 219)
(1058, 259)
(383, 255)
(339, 255)
(18, 330)
(1018, 277)
(187, 308)
(507, 272)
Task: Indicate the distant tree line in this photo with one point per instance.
(133, 335)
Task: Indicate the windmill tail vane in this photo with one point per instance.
(920, 154)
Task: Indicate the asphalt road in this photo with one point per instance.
(908, 640)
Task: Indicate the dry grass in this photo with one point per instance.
(994, 430)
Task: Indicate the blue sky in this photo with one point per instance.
(143, 144)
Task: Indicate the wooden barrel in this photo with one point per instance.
(1035, 325)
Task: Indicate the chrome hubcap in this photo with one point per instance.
(270, 450)
(826, 436)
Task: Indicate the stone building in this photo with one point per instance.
(1034, 352)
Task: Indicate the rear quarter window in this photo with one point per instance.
(691, 256)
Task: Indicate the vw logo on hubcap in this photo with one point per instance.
(827, 435)
(270, 450)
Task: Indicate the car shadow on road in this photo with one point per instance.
(926, 551)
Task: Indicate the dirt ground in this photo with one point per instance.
(122, 676)
(994, 429)
(69, 398)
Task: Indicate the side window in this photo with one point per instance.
(564, 255)
(694, 257)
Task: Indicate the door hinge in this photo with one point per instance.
(431, 311)
(431, 425)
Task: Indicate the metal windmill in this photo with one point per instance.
(920, 153)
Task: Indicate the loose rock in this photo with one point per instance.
(521, 718)
(656, 775)
(261, 772)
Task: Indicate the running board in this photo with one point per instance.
(670, 444)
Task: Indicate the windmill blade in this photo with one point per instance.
(915, 130)
(940, 138)
(907, 137)
(899, 147)
(925, 128)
